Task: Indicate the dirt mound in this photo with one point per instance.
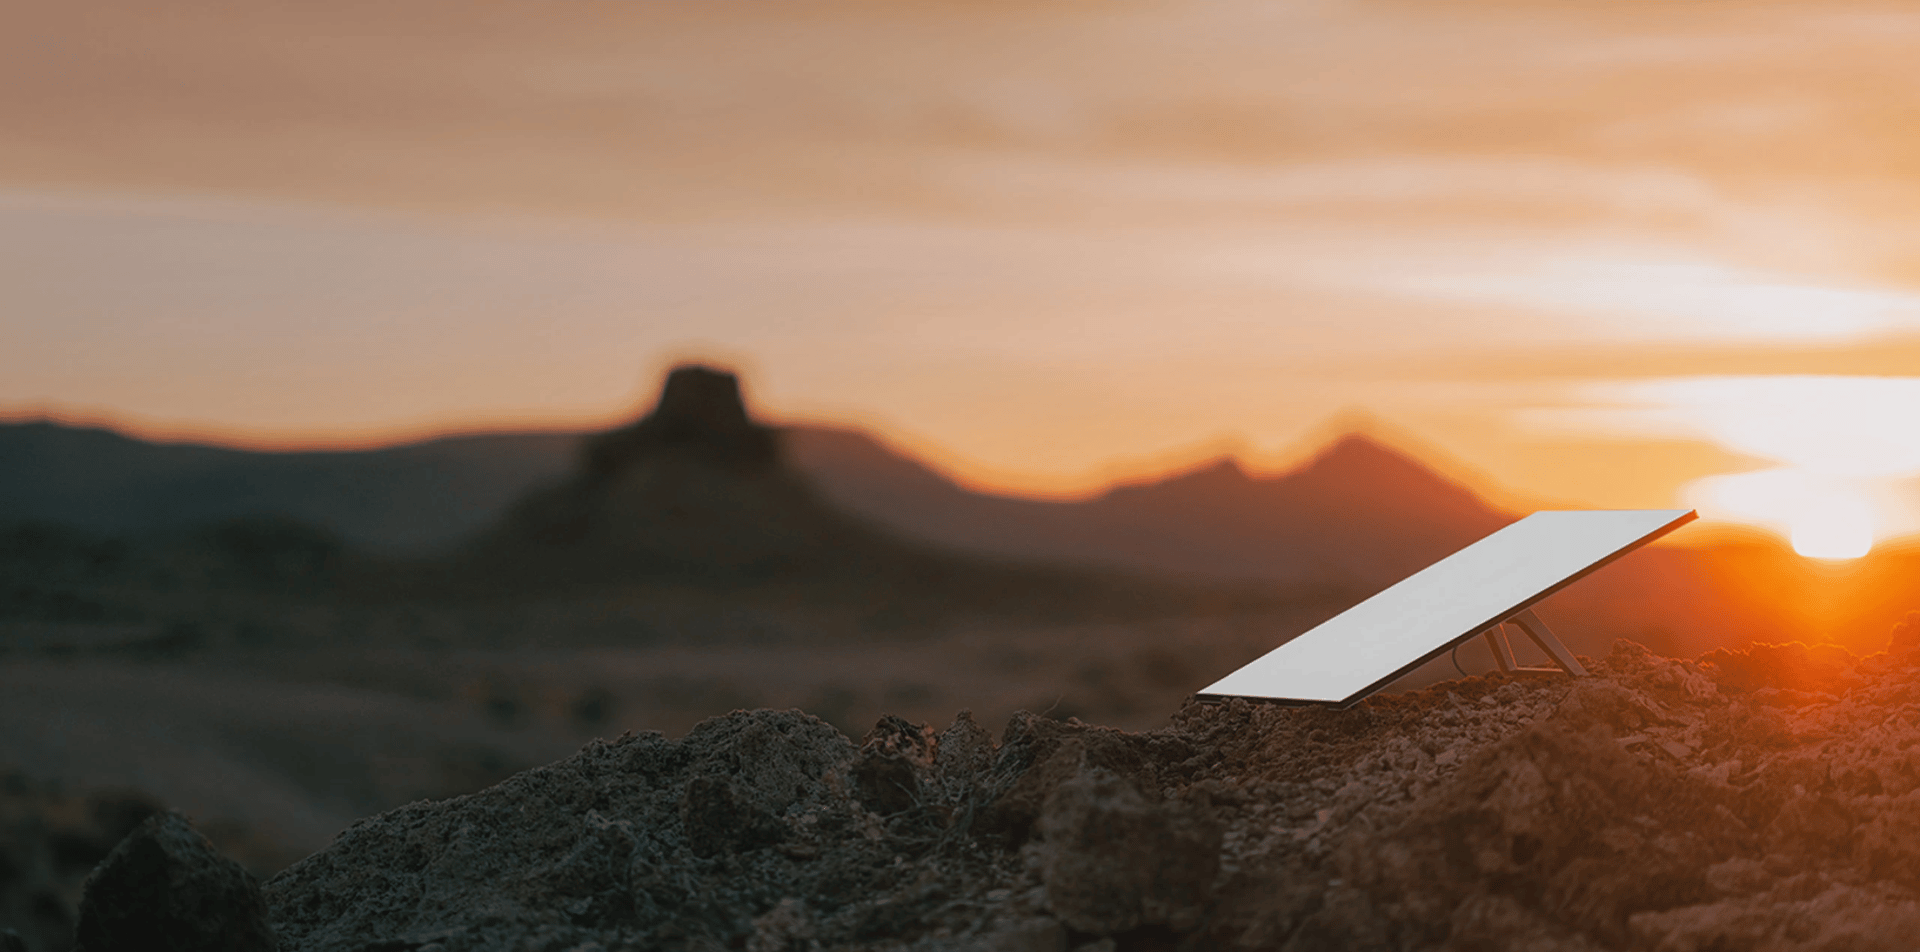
(1767, 799)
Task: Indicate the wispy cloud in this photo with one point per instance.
(1141, 225)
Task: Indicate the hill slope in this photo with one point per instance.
(412, 496)
(1357, 513)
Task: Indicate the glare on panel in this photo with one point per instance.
(1366, 647)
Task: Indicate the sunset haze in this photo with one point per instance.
(1606, 254)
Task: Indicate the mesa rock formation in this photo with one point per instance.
(1761, 799)
(693, 489)
(696, 493)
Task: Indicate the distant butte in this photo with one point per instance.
(701, 414)
(695, 488)
(697, 492)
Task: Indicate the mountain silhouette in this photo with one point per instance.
(1358, 513)
(410, 497)
(698, 490)
(700, 417)
(694, 489)
(697, 493)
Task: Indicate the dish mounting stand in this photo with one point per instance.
(1537, 632)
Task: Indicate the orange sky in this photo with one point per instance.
(1596, 250)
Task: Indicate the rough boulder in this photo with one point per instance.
(1764, 799)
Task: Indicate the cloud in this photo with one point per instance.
(1852, 426)
(633, 110)
(1149, 223)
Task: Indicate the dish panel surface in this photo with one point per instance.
(1456, 598)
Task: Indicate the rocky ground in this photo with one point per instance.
(1761, 799)
(50, 839)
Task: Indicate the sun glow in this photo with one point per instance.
(1847, 460)
(1824, 517)
(1840, 534)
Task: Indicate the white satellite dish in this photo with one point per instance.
(1475, 591)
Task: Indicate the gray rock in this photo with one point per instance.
(1763, 800)
(638, 841)
(165, 888)
(1114, 860)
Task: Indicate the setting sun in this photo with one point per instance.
(1824, 535)
(1825, 517)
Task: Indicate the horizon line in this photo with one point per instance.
(1719, 531)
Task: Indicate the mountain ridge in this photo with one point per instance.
(429, 493)
(1309, 525)
(1356, 517)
